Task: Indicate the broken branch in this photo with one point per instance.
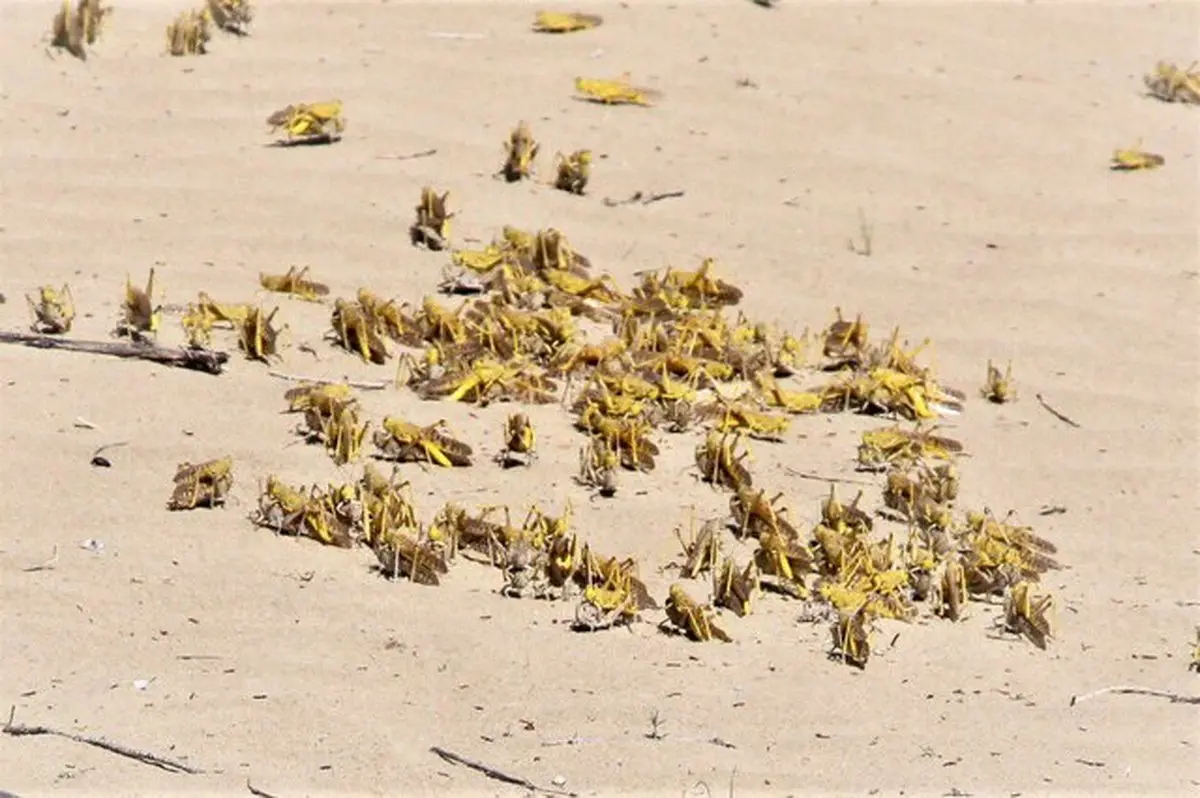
(1064, 419)
(170, 765)
(204, 360)
(407, 156)
(365, 386)
(644, 198)
(493, 773)
(829, 480)
(1175, 698)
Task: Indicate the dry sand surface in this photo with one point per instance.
(975, 139)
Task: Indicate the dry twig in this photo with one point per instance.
(204, 360)
(1175, 698)
(362, 386)
(862, 246)
(1064, 419)
(255, 791)
(829, 480)
(493, 773)
(644, 198)
(170, 765)
(407, 156)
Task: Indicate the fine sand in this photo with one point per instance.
(974, 137)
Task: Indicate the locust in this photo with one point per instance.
(845, 342)
(998, 387)
(625, 436)
(614, 91)
(789, 401)
(1029, 615)
(74, 28)
(202, 485)
(1134, 158)
(892, 447)
(280, 507)
(487, 380)
(478, 533)
(402, 556)
(598, 467)
(700, 288)
(189, 33)
(741, 417)
(520, 151)
(520, 441)
(139, 314)
(315, 123)
(431, 230)
(357, 332)
(197, 326)
(565, 21)
(299, 513)
(339, 429)
(390, 319)
(322, 397)
(701, 550)
(233, 314)
(720, 464)
(735, 590)
(755, 515)
(612, 593)
(852, 636)
(836, 515)
(786, 560)
(949, 595)
(403, 441)
(573, 171)
(922, 499)
(53, 310)
(232, 16)
(296, 283)
(257, 335)
(525, 571)
(1172, 84)
(692, 619)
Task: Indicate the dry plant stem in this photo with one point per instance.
(644, 198)
(408, 156)
(830, 480)
(1175, 698)
(204, 360)
(170, 765)
(362, 386)
(497, 775)
(1064, 419)
(255, 791)
(862, 246)
(48, 565)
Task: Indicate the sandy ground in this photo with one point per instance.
(974, 137)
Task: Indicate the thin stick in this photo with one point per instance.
(365, 386)
(170, 765)
(407, 156)
(48, 565)
(493, 773)
(204, 360)
(255, 791)
(864, 235)
(643, 198)
(830, 480)
(1175, 698)
(662, 196)
(1064, 419)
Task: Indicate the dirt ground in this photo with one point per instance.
(974, 140)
